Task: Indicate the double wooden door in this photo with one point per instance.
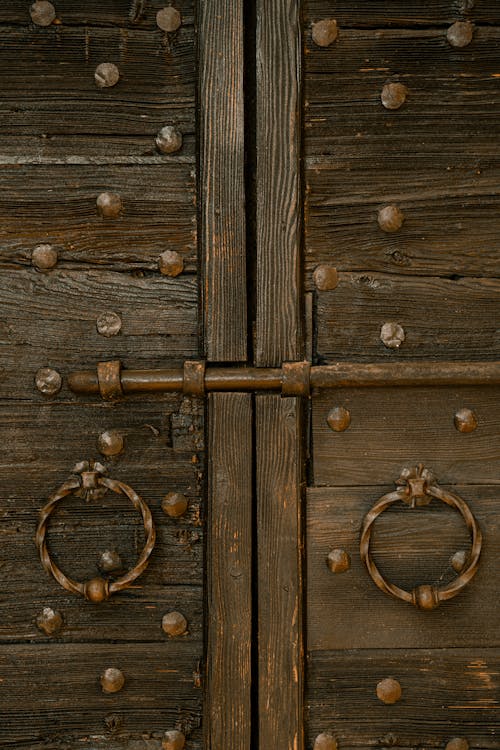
(249, 293)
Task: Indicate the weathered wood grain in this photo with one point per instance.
(347, 610)
(278, 331)
(396, 427)
(442, 318)
(380, 13)
(56, 204)
(279, 569)
(446, 693)
(222, 179)
(229, 572)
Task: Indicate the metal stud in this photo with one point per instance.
(174, 624)
(106, 75)
(173, 740)
(465, 420)
(42, 13)
(389, 691)
(110, 443)
(392, 335)
(338, 561)
(109, 205)
(458, 560)
(338, 419)
(325, 32)
(393, 95)
(44, 257)
(110, 561)
(325, 741)
(168, 19)
(49, 621)
(325, 278)
(390, 218)
(170, 263)
(457, 743)
(109, 324)
(460, 33)
(96, 590)
(174, 504)
(169, 140)
(48, 381)
(112, 680)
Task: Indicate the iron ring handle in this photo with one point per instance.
(419, 488)
(91, 482)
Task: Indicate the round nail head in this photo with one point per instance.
(393, 95)
(168, 19)
(110, 561)
(389, 691)
(173, 740)
(338, 419)
(108, 324)
(109, 205)
(48, 381)
(49, 621)
(465, 420)
(170, 263)
(392, 335)
(112, 680)
(338, 561)
(457, 743)
(174, 624)
(325, 741)
(44, 257)
(110, 443)
(390, 218)
(458, 560)
(174, 504)
(325, 278)
(325, 32)
(169, 140)
(42, 13)
(460, 33)
(106, 75)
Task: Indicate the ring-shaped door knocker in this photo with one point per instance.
(417, 487)
(90, 482)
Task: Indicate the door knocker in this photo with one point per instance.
(417, 487)
(88, 481)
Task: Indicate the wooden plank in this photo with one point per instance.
(49, 691)
(445, 693)
(222, 179)
(396, 427)
(442, 318)
(229, 573)
(347, 611)
(280, 654)
(378, 13)
(278, 195)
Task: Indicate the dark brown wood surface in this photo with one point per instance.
(380, 13)
(229, 573)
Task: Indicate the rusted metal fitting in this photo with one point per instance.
(109, 379)
(194, 378)
(296, 379)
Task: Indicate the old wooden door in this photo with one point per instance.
(248, 281)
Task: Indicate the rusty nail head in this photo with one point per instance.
(338, 419)
(48, 381)
(325, 32)
(325, 278)
(393, 95)
(168, 19)
(49, 621)
(173, 740)
(392, 335)
(169, 140)
(110, 443)
(42, 13)
(174, 504)
(460, 33)
(170, 263)
(106, 75)
(110, 561)
(389, 691)
(458, 560)
(44, 257)
(108, 324)
(390, 218)
(465, 420)
(112, 680)
(174, 624)
(325, 741)
(109, 205)
(338, 561)
(457, 743)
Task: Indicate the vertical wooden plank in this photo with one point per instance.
(280, 657)
(278, 226)
(229, 571)
(221, 178)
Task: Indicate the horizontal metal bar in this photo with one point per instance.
(341, 374)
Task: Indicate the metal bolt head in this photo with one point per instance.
(174, 624)
(338, 419)
(44, 257)
(460, 33)
(169, 140)
(173, 740)
(174, 504)
(110, 443)
(48, 381)
(325, 741)
(338, 561)
(109, 205)
(109, 324)
(389, 691)
(465, 420)
(392, 335)
(459, 560)
(170, 263)
(168, 19)
(325, 32)
(457, 743)
(49, 621)
(106, 75)
(110, 561)
(325, 278)
(390, 218)
(112, 680)
(393, 95)
(42, 13)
